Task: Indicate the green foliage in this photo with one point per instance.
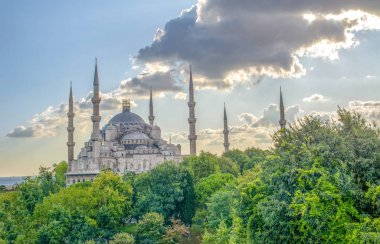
(211, 184)
(320, 183)
(32, 191)
(202, 166)
(313, 187)
(238, 157)
(219, 208)
(59, 171)
(373, 198)
(221, 236)
(255, 156)
(167, 189)
(123, 238)
(228, 166)
(85, 211)
(150, 228)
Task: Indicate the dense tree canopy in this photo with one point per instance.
(167, 189)
(320, 183)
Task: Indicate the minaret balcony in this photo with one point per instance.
(96, 100)
(95, 118)
(70, 144)
(193, 137)
(192, 120)
(191, 104)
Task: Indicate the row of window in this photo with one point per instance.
(129, 152)
(79, 180)
(137, 141)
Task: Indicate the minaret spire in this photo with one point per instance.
(70, 130)
(95, 137)
(95, 105)
(282, 112)
(151, 116)
(226, 131)
(192, 119)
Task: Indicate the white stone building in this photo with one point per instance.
(125, 143)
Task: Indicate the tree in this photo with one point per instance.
(310, 187)
(211, 184)
(176, 233)
(123, 238)
(201, 166)
(255, 156)
(228, 166)
(150, 228)
(238, 157)
(221, 236)
(219, 208)
(167, 189)
(86, 211)
(60, 170)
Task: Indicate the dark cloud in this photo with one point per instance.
(159, 81)
(109, 102)
(252, 37)
(21, 132)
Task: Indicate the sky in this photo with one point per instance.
(323, 54)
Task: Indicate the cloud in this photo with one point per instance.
(315, 98)
(180, 96)
(51, 121)
(109, 102)
(369, 109)
(247, 117)
(370, 77)
(271, 116)
(159, 81)
(234, 42)
(21, 131)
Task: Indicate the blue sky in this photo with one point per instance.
(44, 45)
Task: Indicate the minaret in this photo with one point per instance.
(95, 137)
(282, 112)
(192, 119)
(226, 132)
(151, 116)
(70, 130)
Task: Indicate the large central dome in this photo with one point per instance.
(127, 117)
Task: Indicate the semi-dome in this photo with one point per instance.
(127, 117)
(136, 135)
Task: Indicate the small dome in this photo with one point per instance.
(155, 127)
(127, 117)
(110, 127)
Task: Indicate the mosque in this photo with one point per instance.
(126, 142)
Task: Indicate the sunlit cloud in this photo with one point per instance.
(315, 98)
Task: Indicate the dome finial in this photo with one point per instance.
(126, 105)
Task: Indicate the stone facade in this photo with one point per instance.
(125, 143)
